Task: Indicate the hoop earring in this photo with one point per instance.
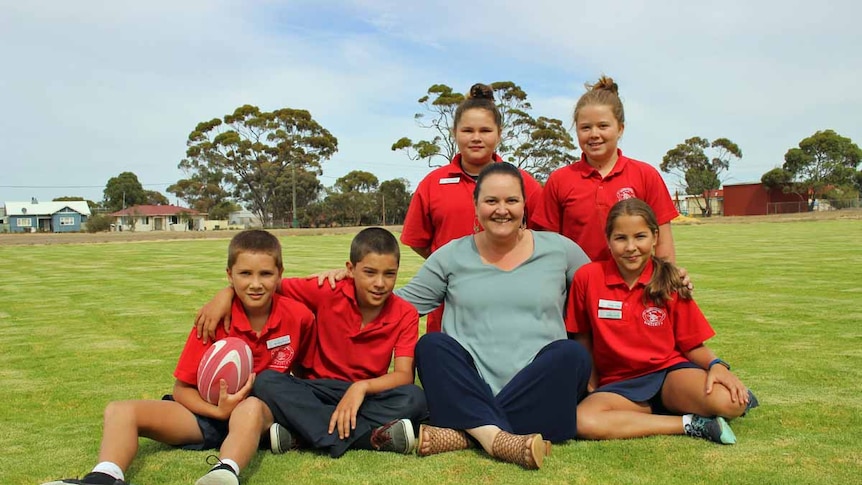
(476, 226)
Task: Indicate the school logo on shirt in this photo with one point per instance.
(281, 358)
(653, 316)
(625, 193)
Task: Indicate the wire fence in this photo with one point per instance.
(818, 205)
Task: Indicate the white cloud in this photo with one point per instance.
(93, 88)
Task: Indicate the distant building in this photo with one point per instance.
(145, 218)
(243, 218)
(690, 205)
(755, 199)
(61, 216)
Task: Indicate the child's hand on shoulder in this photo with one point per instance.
(331, 275)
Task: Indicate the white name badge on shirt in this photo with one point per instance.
(450, 180)
(612, 304)
(611, 314)
(277, 342)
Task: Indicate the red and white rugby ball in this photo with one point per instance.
(229, 359)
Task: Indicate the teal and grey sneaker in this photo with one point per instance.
(396, 436)
(713, 429)
(281, 440)
(752, 403)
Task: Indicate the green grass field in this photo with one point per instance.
(83, 324)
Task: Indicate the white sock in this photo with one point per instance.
(110, 468)
(686, 420)
(230, 463)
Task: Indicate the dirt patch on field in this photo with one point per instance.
(128, 236)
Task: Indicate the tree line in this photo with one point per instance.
(270, 161)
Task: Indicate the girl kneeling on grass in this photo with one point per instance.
(646, 337)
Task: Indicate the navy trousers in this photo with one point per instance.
(305, 406)
(541, 398)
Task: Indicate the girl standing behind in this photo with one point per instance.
(576, 199)
(646, 337)
(442, 206)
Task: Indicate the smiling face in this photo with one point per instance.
(631, 243)
(254, 277)
(500, 204)
(374, 277)
(599, 132)
(477, 136)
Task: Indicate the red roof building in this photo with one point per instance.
(146, 218)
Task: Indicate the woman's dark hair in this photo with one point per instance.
(499, 168)
(665, 277)
(481, 96)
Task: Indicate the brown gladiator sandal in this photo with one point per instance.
(441, 440)
(525, 450)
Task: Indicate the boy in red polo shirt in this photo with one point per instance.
(276, 328)
(346, 397)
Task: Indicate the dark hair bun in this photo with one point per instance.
(605, 83)
(481, 91)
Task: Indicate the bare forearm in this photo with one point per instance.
(664, 248)
(587, 342)
(388, 381)
(191, 399)
(701, 356)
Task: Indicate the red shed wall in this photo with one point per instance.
(745, 200)
(754, 200)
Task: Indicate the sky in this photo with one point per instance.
(91, 89)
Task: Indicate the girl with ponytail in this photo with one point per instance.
(442, 206)
(652, 373)
(576, 199)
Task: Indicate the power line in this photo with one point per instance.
(69, 186)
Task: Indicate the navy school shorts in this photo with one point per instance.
(646, 388)
(213, 430)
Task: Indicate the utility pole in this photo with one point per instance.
(295, 221)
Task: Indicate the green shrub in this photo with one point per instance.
(98, 223)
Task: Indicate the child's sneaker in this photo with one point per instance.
(396, 436)
(221, 474)
(752, 403)
(281, 440)
(712, 429)
(92, 478)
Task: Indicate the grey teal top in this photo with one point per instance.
(502, 318)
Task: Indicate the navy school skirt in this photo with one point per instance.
(646, 388)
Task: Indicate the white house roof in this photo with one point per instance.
(46, 208)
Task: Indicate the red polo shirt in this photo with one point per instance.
(576, 200)
(442, 206)
(281, 343)
(341, 349)
(630, 338)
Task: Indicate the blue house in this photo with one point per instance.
(64, 216)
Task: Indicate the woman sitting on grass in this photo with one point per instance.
(502, 372)
(646, 336)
